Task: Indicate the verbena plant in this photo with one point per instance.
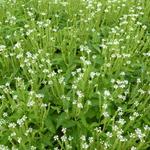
(74, 74)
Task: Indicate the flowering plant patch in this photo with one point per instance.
(74, 75)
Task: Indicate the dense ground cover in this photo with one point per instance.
(74, 74)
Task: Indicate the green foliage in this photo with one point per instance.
(74, 74)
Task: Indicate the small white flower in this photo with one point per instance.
(30, 103)
(146, 128)
(133, 148)
(64, 138)
(5, 114)
(89, 102)
(83, 138)
(112, 80)
(106, 93)
(56, 137)
(122, 73)
(92, 74)
(12, 125)
(98, 130)
(94, 56)
(43, 105)
(63, 130)
(104, 106)
(79, 105)
(17, 45)
(33, 148)
(132, 118)
(2, 48)
(121, 121)
(144, 27)
(70, 138)
(19, 140)
(13, 134)
(15, 97)
(115, 128)
(87, 62)
(139, 134)
(85, 146)
(106, 114)
(61, 80)
(80, 94)
(138, 80)
(135, 114)
(91, 139)
(109, 134)
(39, 95)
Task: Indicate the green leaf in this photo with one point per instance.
(49, 124)
(61, 119)
(69, 123)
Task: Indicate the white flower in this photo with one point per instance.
(56, 137)
(5, 114)
(87, 62)
(138, 80)
(104, 106)
(21, 121)
(19, 140)
(139, 133)
(132, 118)
(13, 134)
(70, 138)
(61, 80)
(106, 114)
(12, 125)
(89, 102)
(79, 105)
(80, 94)
(3, 147)
(92, 74)
(109, 134)
(39, 95)
(112, 80)
(141, 91)
(147, 128)
(94, 56)
(30, 103)
(83, 138)
(133, 148)
(98, 130)
(43, 105)
(85, 146)
(106, 93)
(122, 73)
(64, 138)
(135, 114)
(115, 128)
(121, 121)
(144, 27)
(15, 97)
(17, 45)
(2, 48)
(91, 139)
(33, 148)
(63, 130)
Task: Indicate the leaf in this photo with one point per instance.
(60, 120)
(49, 124)
(83, 121)
(91, 113)
(94, 124)
(69, 123)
